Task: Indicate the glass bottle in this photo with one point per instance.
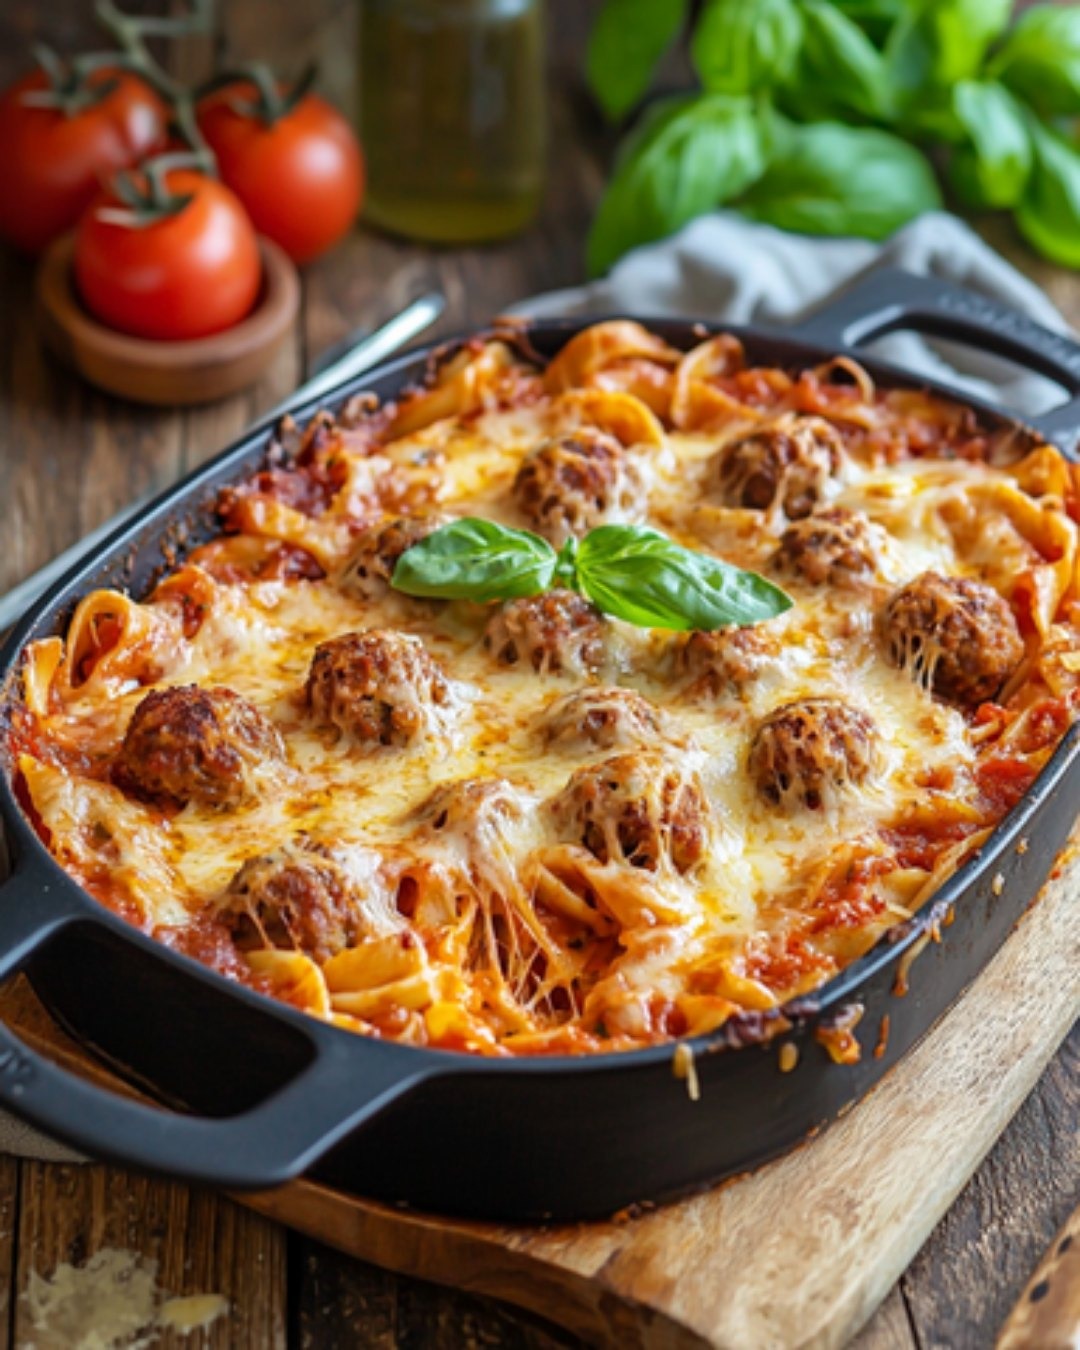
(452, 116)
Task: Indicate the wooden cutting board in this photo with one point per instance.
(800, 1253)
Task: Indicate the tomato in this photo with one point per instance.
(52, 163)
(183, 276)
(300, 177)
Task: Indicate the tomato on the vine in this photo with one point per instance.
(182, 275)
(296, 166)
(52, 160)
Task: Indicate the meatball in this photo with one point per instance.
(208, 746)
(784, 464)
(728, 658)
(958, 637)
(378, 686)
(471, 804)
(296, 898)
(608, 719)
(378, 548)
(830, 548)
(558, 631)
(639, 808)
(571, 483)
(807, 753)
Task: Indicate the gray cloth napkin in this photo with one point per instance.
(723, 267)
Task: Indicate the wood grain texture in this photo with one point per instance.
(996, 1232)
(346, 1302)
(1047, 1314)
(890, 1328)
(200, 1244)
(9, 1211)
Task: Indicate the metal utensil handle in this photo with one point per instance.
(343, 1086)
(368, 352)
(379, 344)
(890, 299)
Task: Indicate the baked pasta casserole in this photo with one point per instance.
(524, 826)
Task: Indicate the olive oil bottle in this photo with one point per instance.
(452, 116)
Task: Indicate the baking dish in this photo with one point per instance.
(268, 1093)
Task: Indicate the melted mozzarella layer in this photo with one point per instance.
(259, 638)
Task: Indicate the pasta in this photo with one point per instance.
(526, 828)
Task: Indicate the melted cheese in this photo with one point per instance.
(258, 638)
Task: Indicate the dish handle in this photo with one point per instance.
(334, 1093)
(889, 299)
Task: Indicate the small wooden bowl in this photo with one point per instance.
(195, 371)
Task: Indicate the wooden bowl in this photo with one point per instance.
(195, 371)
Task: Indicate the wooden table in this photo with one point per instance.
(70, 457)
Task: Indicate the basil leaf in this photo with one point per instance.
(839, 70)
(743, 46)
(931, 117)
(474, 559)
(993, 169)
(834, 179)
(939, 42)
(1049, 214)
(1040, 59)
(687, 156)
(874, 17)
(640, 575)
(627, 41)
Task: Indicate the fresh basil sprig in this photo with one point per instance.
(937, 42)
(687, 155)
(832, 179)
(838, 73)
(1040, 60)
(1049, 214)
(626, 45)
(744, 46)
(871, 87)
(628, 571)
(993, 168)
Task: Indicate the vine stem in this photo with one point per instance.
(130, 34)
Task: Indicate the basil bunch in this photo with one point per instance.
(628, 571)
(814, 115)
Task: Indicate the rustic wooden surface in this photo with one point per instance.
(1048, 1311)
(69, 457)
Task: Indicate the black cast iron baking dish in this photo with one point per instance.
(267, 1093)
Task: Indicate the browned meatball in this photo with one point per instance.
(296, 898)
(639, 808)
(208, 746)
(805, 754)
(378, 548)
(729, 658)
(571, 483)
(553, 632)
(609, 719)
(379, 686)
(829, 548)
(785, 463)
(958, 637)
